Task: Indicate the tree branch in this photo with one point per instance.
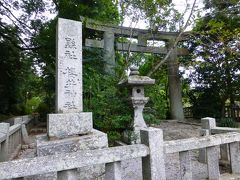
(155, 68)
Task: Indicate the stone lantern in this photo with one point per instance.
(137, 83)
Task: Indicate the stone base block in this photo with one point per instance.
(93, 140)
(63, 125)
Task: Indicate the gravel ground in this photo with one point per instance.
(172, 130)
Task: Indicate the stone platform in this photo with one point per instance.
(94, 140)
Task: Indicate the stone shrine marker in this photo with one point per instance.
(69, 67)
(70, 119)
(70, 129)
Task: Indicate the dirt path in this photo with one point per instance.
(173, 130)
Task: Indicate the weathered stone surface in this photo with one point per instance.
(18, 120)
(26, 118)
(2, 137)
(129, 31)
(14, 129)
(137, 80)
(219, 130)
(174, 83)
(63, 125)
(109, 52)
(208, 123)
(67, 175)
(64, 129)
(60, 162)
(94, 140)
(69, 66)
(185, 165)
(224, 152)
(202, 152)
(137, 83)
(25, 146)
(4, 132)
(213, 162)
(153, 164)
(201, 142)
(132, 169)
(24, 133)
(113, 171)
(235, 157)
(4, 128)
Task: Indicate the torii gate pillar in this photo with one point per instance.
(109, 53)
(174, 83)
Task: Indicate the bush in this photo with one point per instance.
(227, 122)
(32, 105)
(43, 110)
(108, 102)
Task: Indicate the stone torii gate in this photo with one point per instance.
(109, 45)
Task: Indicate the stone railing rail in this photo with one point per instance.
(57, 163)
(12, 137)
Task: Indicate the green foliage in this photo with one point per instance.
(102, 10)
(108, 102)
(113, 136)
(158, 92)
(43, 110)
(32, 105)
(18, 80)
(228, 122)
(158, 100)
(10, 73)
(159, 14)
(150, 117)
(216, 56)
(206, 102)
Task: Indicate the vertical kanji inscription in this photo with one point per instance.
(69, 66)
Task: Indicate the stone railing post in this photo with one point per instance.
(24, 134)
(206, 125)
(4, 130)
(153, 165)
(212, 159)
(234, 157)
(185, 165)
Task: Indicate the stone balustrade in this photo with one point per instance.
(209, 127)
(211, 146)
(152, 150)
(12, 137)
